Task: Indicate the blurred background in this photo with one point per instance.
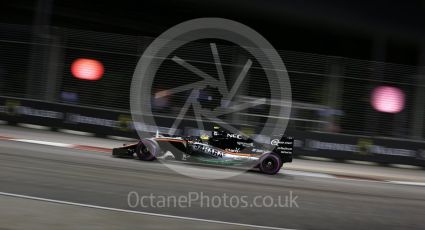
(356, 68)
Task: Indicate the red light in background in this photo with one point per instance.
(388, 99)
(87, 69)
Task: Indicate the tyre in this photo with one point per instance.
(270, 164)
(147, 150)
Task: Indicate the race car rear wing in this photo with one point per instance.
(284, 147)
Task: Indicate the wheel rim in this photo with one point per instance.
(269, 164)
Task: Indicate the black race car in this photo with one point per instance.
(221, 148)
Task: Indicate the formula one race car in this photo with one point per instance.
(222, 148)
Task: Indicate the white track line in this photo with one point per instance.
(407, 183)
(31, 126)
(57, 144)
(140, 212)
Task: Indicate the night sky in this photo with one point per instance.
(341, 28)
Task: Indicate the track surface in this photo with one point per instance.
(374, 172)
(98, 179)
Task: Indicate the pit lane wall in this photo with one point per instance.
(106, 122)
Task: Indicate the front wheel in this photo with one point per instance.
(146, 150)
(270, 164)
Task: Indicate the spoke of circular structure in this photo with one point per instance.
(197, 110)
(223, 85)
(209, 80)
(239, 80)
(179, 89)
(235, 108)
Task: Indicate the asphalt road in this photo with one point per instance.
(98, 179)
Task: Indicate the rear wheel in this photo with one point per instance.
(146, 150)
(270, 164)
